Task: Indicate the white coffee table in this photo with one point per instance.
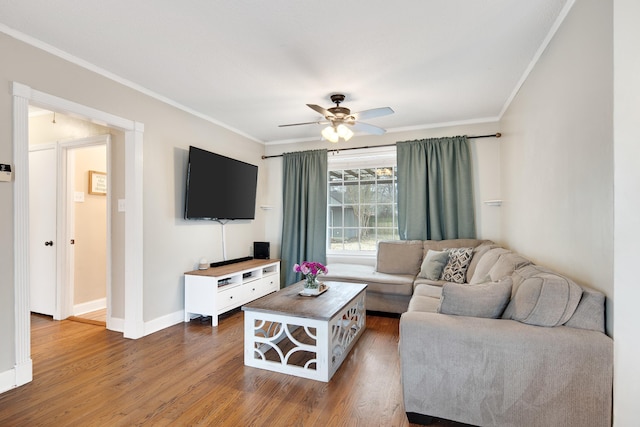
(303, 335)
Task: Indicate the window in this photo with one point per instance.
(362, 201)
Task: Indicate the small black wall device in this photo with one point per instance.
(261, 250)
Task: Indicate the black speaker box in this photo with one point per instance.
(261, 250)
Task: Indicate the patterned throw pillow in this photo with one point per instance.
(456, 269)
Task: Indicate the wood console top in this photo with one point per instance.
(232, 268)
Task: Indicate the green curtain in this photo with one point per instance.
(304, 228)
(435, 189)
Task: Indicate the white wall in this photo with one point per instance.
(557, 154)
(626, 411)
(486, 176)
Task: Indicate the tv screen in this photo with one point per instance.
(219, 187)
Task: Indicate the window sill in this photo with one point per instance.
(364, 258)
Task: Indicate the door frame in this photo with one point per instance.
(133, 327)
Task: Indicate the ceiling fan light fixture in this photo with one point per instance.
(330, 134)
(344, 132)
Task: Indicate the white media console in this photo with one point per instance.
(217, 290)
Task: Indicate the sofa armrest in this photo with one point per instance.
(502, 372)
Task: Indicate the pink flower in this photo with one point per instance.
(310, 268)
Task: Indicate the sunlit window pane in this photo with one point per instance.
(362, 208)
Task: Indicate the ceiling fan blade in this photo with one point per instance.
(374, 112)
(319, 109)
(298, 124)
(322, 122)
(366, 127)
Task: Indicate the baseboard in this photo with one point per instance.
(19, 375)
(7, 380)
(115, 324)
(89, 306)
(155, 325)
(160, 323)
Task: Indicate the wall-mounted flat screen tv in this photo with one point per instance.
(219, 187)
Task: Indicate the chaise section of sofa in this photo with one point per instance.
(497, 372)
(533, 353)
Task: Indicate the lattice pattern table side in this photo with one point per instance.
(345, 329)
(280, 343)
(308, 348)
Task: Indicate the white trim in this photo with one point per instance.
(554, 28)
(115, 324)
(163, 322)
(21, 231)
(89, 306)
(22, 96)
(445, 124)
(133, 302)
(7, 380)
(19, 375)
(114, 77)
(67, 218)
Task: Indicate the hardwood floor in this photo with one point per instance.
(98, 317)
(191, 374)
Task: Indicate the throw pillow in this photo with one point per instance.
(433, 264)
(486, 300)
(456, 268)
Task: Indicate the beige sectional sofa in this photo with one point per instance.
(513, 344)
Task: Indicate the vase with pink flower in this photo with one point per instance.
(310, 271)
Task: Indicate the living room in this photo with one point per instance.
(565, 205)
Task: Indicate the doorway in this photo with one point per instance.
(131, 323)
(69, 217)
(88, 238)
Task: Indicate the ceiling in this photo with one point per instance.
(252, 65)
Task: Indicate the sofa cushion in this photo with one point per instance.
(542, 297)
(428, 291)
(506, 264)
(393, 284)
(433, 264)
(420, 303)
(399, 257)
(485, 263)
(590, 311)
(441, 245)
(478, 253)
(456, 268)
(421, 281)
(484, 300)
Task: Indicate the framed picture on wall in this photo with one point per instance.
(97, 183)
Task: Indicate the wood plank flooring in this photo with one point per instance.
(193, 375)
(98, 317)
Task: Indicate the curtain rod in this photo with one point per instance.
(495, 135)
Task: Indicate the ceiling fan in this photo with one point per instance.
(341, 120)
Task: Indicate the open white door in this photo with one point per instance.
(42, 229)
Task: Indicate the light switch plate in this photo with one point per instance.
(78, 196)
(121, 205)
(5, 172)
